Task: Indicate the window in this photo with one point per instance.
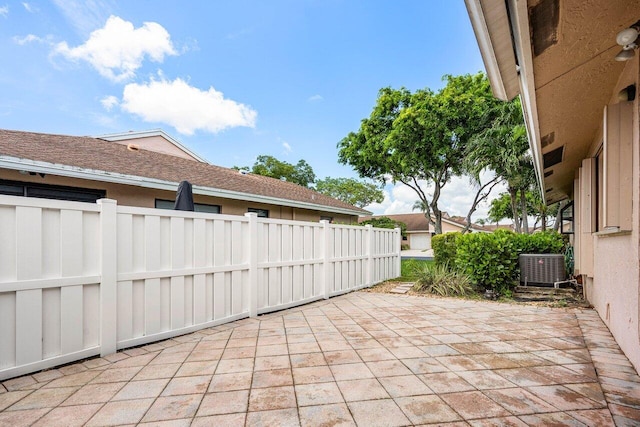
(45, 191)
(262, 213)
(197, 207)
(566, 218)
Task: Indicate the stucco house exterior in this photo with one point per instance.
(144, 169)
(578, 85)
(419, 232)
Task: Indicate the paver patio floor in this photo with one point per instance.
(362, 359)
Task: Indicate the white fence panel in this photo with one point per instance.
(49, 258)
(178, 272)
(290, 263)
(78, 279)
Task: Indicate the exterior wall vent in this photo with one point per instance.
(548, 174)
(552, 157)
(133, 147)
(542, 269)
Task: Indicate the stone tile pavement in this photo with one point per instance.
(362, 359)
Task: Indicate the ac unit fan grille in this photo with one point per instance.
(542, 268)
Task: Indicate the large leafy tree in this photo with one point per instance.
(349, 190)
(421, 136)
(301, 173)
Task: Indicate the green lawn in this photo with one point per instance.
(407, 267)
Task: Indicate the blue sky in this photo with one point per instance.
(230, 79)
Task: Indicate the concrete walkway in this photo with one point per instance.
(362, 359)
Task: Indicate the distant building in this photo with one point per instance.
(144, 169)
(419, 231)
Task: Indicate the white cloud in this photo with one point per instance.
(29, 38)
(185, 107)
(108, 102)
(30, 8)
(117, 50)
(286, 146)
(315, 98)
(4, 10)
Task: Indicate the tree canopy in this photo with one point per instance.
(503, 148)
(352, 191)
(386, 222)
(301, 173)
(420, 136)
(349, 190)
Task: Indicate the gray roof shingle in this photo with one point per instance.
(96, 154)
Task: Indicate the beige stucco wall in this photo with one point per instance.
(614, 288)
(145, 197)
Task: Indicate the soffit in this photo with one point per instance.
(575, 76)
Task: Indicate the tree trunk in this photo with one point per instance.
(437, 213)
(513, 194)
(479, 198)
(523, 209)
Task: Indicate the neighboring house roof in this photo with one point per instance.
(141, 135)
(95, 159)
(417, 222)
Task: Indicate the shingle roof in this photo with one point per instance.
(418, 222)
(95, 154)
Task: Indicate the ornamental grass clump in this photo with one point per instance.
(440, 280)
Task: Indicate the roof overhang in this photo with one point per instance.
(14, 163)
(490, 22)
(566, 73)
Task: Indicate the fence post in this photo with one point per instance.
(109, 276)
(370, 274)
(253, 263)
(325, 263)
(399, 249)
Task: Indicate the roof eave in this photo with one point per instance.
(14, 163)
(490, 22)
(512, 18)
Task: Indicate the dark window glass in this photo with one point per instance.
(45, 191)
(11, 189)
(262, 213)
(198, 207)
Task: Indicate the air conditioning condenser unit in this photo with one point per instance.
(542, 269)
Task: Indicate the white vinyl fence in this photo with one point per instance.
(78, 279)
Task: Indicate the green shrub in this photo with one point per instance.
(444, 248)
(404, 247)
(491, 259)
(440, 280)
(546, 242)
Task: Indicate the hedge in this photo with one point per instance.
(491, 259)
